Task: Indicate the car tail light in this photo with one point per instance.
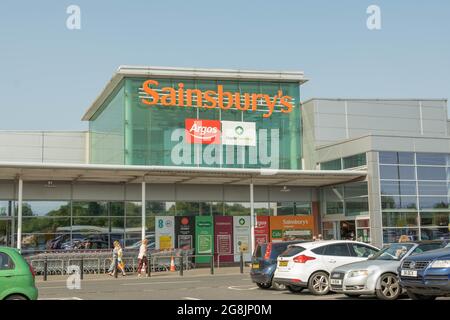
(303, 259)
(32, 271)
(268, 251)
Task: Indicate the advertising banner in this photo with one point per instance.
(164, 232)
(204, 234)
(239, 133)
(262, 230)
(223, 238)
(284, 228)
(242, 237)
(184, 232)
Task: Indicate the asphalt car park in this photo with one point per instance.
(226, 284)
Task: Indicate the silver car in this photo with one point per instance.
(378, 275)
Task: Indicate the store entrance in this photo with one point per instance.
(348, 230)
(5, 232)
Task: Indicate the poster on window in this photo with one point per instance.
(184, 232)
(164, 232)
(262, 230)
(223, 235)
(241, 237)
(204, 242)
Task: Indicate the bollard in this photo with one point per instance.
(149, 266)
(212, 264)
(45, 269)
(81, 268)
(242, 262)
(115, 268)
(181, 265)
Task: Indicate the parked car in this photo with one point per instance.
(264, 263)
(426, 276)
(309, 264)
(378, 275)
(16, 276)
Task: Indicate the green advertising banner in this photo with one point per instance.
(204, 238)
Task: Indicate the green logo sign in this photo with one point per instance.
(277, 234)
(241, 221)
(239, 130)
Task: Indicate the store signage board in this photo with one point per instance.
(165, 232)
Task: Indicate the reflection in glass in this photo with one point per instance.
(391, 235)
(400, 219)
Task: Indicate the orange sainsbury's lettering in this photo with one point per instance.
(180, 96)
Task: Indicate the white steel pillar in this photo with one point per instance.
(143, 208)
(252, 219)
(19, 214)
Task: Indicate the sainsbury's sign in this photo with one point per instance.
(211, 99)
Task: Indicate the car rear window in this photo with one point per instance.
(319, 250)
(260, 250)
(292, 251)
(6, 262)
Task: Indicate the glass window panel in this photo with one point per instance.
(356, 206)
(205, 208)
(433, 202)
(35, 242)
(117, 209)
(388, 157)
(389, 172)
(398, 202)
(302, 208)
(83, 208)
(185, 208)
(6, 208)
(433, 188)
(408, 188)
(45, 225)
(334, 207)
(285, 208)
(355, 189)
(406, 158)
(133, 225)
(161, 208)
(431, 173)
(91, 224)
(436, 159)
(331, 165)
(217, 208)
(393, 235)
(133, 208)
(407, 173)
(46, 208)
(400, 219)
(435, 219)
(355, 161)
(236, 208)
(117, 223)
(435, 233)
(390, 187)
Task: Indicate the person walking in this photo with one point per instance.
(120, 261)
(142, 257)
(114, 262)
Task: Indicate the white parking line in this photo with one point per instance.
(68, 298)
(190, 298)
(156, 282)
(238, 288)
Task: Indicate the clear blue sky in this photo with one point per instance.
(49, 75)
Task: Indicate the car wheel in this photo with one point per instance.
(319, 283)
(415, 296)
(389, 287)
(264, 285)
(295, 289)
(16, 297)
(352, 295)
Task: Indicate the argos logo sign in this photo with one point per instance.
(202, 131)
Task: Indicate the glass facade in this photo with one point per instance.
(66, 225)
(127, 131)
(349, 199)
(415, 195)
(354, 161)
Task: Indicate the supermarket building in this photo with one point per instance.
(217, 160)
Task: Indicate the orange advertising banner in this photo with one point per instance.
(284, 228)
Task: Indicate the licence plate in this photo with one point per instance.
(336, 282)
(283, 264)
(255, 266)
(409, 273)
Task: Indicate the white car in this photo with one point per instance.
(309, 264)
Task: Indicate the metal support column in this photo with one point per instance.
(252, 219)
(19, 214)
(143, 209)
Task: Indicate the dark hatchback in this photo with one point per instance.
(264, 262)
